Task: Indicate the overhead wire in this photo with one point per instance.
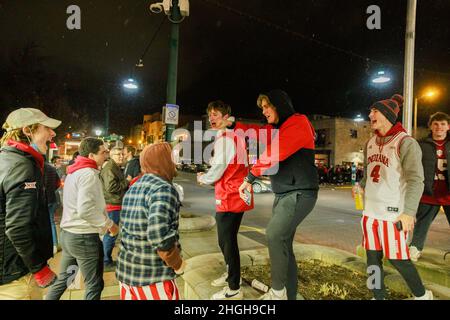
(297, 34)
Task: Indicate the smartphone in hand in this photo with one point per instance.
(249, 197)
(399, 225)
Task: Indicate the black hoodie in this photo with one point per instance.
(283, 104)
(296, 169)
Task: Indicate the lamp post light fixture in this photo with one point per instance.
(98, 132)
(130, 84)
(381, 78)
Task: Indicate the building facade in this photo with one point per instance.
(340, 141)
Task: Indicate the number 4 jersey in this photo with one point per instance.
(385, 185)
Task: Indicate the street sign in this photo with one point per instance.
(170, 114)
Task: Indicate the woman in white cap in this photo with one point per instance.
(25, 236)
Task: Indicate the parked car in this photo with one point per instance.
(262, 184)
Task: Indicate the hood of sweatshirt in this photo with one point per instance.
(81, 163)
(394, 130)
(283, 104)
(28, 149)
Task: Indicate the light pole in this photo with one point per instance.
(428, 94)
(408, 77)
(176, 10)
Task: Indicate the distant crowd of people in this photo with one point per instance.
(339, 174)
(111, 191)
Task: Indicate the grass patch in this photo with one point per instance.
(320, 281)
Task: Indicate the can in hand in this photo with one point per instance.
(259, 285)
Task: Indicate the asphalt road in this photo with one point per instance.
(334, 222)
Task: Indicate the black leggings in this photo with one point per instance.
(228, 224)
(406, 269)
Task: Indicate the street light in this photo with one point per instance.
(98, 132)
(429, 94)
(381, 78)
(358, 118)
(130, 84)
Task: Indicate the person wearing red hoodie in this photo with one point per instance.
(84, 218)
(289, 161)
(229, 166)
(25, 233)
(392, 186)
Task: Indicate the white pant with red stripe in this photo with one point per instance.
(383, 236)
(165, 290)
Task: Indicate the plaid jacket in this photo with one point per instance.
(149, 218)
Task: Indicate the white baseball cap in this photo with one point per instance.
(25, 117)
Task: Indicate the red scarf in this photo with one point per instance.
(28, 149)
(394, 130)
(80, 163)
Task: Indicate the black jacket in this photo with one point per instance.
(132, 168)
(429, 162)
(114, 183)
(25, 233)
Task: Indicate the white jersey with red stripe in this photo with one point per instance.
(385, 188)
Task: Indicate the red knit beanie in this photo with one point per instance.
(389, 107)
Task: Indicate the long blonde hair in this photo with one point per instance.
(16, 134)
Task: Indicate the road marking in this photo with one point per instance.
(247, 228)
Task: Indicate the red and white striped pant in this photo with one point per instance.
(165, 290)
(383, 236)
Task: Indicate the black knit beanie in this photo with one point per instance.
(389, 107)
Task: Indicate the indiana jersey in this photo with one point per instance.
(385, 184)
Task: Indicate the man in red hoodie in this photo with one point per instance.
(289, 161)
(392, 186)
(83, 220)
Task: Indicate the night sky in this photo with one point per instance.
(319, 51)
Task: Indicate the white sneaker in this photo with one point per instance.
(414, 253)
(271, 295)
(427, 296)
(228, 294)
(222, 281)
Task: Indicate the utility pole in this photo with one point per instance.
(408, 80)
(176, 11)
(172, 76)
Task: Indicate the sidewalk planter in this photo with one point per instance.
(202, 269)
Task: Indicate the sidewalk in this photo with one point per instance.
(205, 263)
